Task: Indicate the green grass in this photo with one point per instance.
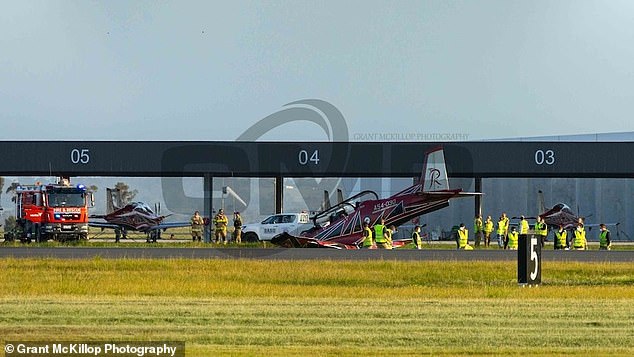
(245, 307)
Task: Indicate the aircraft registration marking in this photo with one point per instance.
(384, 205)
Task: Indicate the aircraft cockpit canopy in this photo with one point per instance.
(142, 208)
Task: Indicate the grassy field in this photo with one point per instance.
(244, 307)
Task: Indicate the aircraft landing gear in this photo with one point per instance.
(153, 236)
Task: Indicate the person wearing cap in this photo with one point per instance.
(604, 238)
(237, 227)
(196, 226)
(221, 221)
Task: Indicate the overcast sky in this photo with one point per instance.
(185, 70)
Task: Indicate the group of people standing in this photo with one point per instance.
(506, 239)
(220, 223)
(577, 240)
(483, 233)
(380, 236)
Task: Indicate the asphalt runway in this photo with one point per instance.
(307, 254)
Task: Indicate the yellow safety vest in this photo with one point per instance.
(506, 224)
(463, 238)
(367, 232)
(580, 239)
(523, 226)
(561, 238)
(488, 226)
(378, 233)
(541, 228)
(513, 239)
(603, 239)
(501, 227)
(388, 235)
(477, 225)
(416, 239)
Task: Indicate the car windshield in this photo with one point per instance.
(272, 220)
(66, 199)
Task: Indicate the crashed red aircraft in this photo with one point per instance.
(341, 226)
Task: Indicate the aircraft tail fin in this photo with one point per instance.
(541, 202)
(112, 200)
(434, 175)
(235, 195)
(326, 202)
(339, 196)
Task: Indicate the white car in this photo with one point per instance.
(292, 223)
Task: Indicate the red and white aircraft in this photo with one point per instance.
(341, 226)
(135, 216)
(561, 215)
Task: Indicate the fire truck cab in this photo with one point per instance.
(55, 211)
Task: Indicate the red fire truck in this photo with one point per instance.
(54, 211)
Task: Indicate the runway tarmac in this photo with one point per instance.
(306, 254)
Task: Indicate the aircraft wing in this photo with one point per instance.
(470, 194)
(592, 225)
(103, 225)
(166, 225)
(162, 226)
(449, 193)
